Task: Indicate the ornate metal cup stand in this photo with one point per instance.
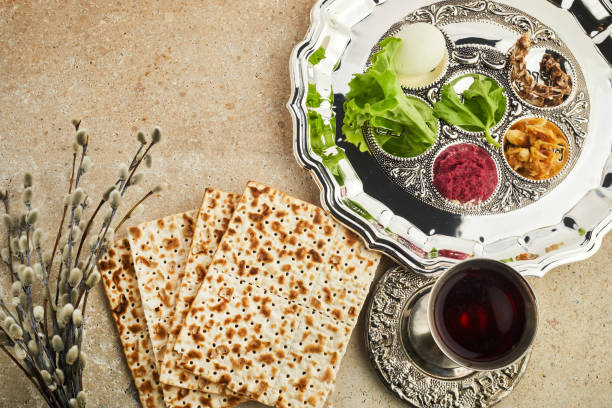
(399, 358)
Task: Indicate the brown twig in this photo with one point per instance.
(61, 227)
(129, 213)
(84, 235)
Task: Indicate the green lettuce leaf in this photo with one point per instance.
(323, 137)
(483, 106)
(313, 97)
(317, 56)
(377, 96)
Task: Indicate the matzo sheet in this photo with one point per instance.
(214, 215)
(281, 297)
(121, 287)
(159, 250)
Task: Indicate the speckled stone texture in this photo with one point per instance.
(214, 75)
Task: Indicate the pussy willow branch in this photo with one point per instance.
(61, 227)
(8, 242)
(56, 367)
(87, 227)
(27, 374)
(73, 209)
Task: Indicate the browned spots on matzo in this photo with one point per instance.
(187, 229)
(165, 298)
(229, 332)
(159, 331)
(170, 243)
(135, 232)
(253, 345)
(266, 358)
(313, 348)
(219, 307)
(135, 328)
(146, 387)
(302, 383)
(200, 273)
(144, 261)
(120, 309)
(263, 256)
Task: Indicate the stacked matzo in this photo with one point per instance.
(215, 213)
(275, 312)
(276, 309)
(119, 281)
(120, 285)
(160, 251)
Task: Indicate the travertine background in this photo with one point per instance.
(214, 75)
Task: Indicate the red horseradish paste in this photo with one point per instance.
(465, 173)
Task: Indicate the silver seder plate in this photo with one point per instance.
(391, 202)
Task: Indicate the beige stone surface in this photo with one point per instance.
(214, 75)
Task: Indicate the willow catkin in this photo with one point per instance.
(74, 295)
(81, 137)
(57, 343)
(136, 179)
(78, 213)
(93, 279)
(77, 318)
(19, 353)
(28, 276)
(86, 165)
(39, 313)
(7, 221)
(15, 331)
(16, 288)
(38, 272)
(77, 197)
(156, 135)
(37, 237)
(81, 399)
(108, 191)
(27, 180)
(23, 244)
(140, 136)
(15, 245)
(75, 277)
(59, 374)
(122, 172)
(83, 358)
(8, 320)
(32, 217)
(115, 199)
(46, 376)
(33, 347)
(27, 196)
(65, 315)
(72, 355)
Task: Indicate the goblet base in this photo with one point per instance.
(409, 362)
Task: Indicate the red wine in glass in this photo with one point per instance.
(483, 315)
